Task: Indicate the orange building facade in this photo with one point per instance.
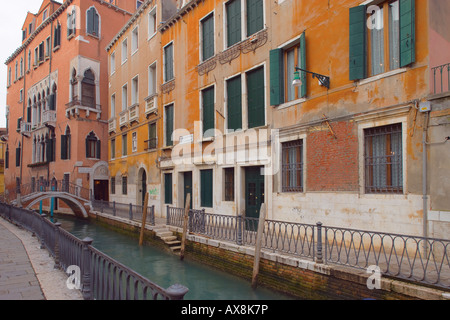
(57, 96)
(209, 101)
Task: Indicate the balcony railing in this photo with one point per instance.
(151, 105)
(123, 118)
(49, 118)
(25, 128)
(112, 125)
(441, 78)
(134, 112)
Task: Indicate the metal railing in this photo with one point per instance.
(101, 277)
(441, 78)
(127, 211)
(412, 258)
(55, 186)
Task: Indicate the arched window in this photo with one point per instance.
(88, 89)
(65, 144)
(92, 146)
(92, 22)
(52, 98)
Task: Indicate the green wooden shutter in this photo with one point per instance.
(18, 157)
(233, 22)
(234, 103)
(90, 21)
(99, 149)
(407, 32)
(276, 77)
(169, 125)
(208, 37)
(255, 16)
(168, 63)
(168, 188)
(206, 186)
(208, 110)
(358, 43)
(302, 53)
(63, 147)
(96, 23)
(256, 100)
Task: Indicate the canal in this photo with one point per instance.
(166, 269)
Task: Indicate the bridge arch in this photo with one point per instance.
(76, 206)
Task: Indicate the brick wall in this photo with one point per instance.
(332, 162)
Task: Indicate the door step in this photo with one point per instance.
(169, 238)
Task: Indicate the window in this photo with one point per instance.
(21, 67)
(134, 40)
(71, 23)
(135, 90)
(376, 43)
(168, 63)
(233, 11)
(65, 145)
(21, 95)
(47, 47)
(57, 36)
(24, 34)
(124, 145)
(9, 76)
(152, 26)
(255, 16)
(206, 188)
(92, 22)
(124, 50)
(18, 152)
(208, 111)
(152, 137)
(207, 36)
(113, 106)
(93, 146)
(169, 124)
(282, 68)
(234, 104)
(152, 79)
(36, 56)
(292, 166)
(41, 51)
(45, 15)
(383, 159)
(139, 3)
(88, 88)
(113, 62)
(29, 59)
(113, 185)
(229, 184)
(113, 148)
(74, 85)
(124, 97)
(124, 185)
(168, 188)
(134, 142)
(7, 157)
(256, 98)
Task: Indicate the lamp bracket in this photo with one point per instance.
(324, 80)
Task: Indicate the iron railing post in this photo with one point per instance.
(86, 269)
(114, 208)
(319, 258)
(239, 230)
(152, 215)
(57, 253)
(167, 216)
(177, 292)
(130, 212)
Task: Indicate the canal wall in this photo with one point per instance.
(301, 278)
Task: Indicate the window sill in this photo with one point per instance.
(290, 103)
(56, 48)
(382, 76)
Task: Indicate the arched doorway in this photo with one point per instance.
(100, 181)
(142, 186)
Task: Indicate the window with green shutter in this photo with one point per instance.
(256, 98)
(169, 125)
(206, 188)
(358, 55)
(168, 188)
(234, 104)
(208, 37)
(276, 77)
(255, 16)
(208, 111)
(407, 32)
(233, 10)
(168, 62)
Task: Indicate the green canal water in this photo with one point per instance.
(166, 269)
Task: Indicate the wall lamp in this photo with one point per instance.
(323, 80)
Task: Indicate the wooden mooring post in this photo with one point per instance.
(185, 225)
(144, 219)
(262, 220)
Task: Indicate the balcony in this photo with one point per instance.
(151, 105)
(74, 107)
(123, 118)
(441, 79)
(134, 113)
(25, 129)
(112, 124)
(49, 118)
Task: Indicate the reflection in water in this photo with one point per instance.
(166, 269)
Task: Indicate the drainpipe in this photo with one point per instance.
(424, 181)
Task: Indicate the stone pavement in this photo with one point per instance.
(26, 271)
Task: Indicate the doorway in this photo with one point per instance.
(187, 177)
(254, 196)
(101, 190)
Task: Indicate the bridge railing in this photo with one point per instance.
(100, 276)
(57, 186)
(123, 210)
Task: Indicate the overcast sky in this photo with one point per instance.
(12, 17)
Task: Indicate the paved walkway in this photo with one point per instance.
(26, 271)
